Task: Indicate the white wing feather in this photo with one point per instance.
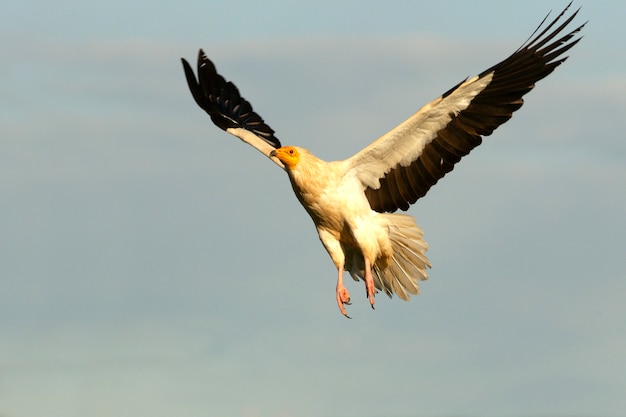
(405, 143)
(256, 142)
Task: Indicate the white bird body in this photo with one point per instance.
(351, 202)
(333, 195)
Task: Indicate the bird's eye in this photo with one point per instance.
(290, 151)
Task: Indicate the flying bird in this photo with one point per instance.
(353, 202)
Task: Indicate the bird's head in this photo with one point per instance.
(288, 155)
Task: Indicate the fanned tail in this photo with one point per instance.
(401, 273)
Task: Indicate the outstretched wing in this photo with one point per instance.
(402, 165)
(228, 110)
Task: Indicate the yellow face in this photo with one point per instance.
(288, 155)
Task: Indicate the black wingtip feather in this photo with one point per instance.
(222, 101)
(194, 87)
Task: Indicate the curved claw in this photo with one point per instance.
(370, 292)
(343, 298)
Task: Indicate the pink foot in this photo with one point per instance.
(343, 297)
(370, 288)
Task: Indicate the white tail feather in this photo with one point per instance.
(406, 267)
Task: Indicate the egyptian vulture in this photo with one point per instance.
(352, 202)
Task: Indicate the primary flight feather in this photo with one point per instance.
(352, 202)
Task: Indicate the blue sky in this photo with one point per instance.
(151, 264)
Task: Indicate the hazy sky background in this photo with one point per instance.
(152, 265)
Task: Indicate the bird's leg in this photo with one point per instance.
(343, 296)
(370, 288)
